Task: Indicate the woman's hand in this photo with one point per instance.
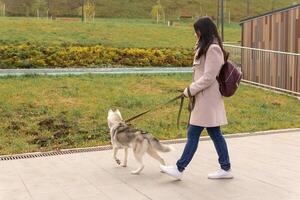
(185, 93)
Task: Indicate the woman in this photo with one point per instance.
(209, 111)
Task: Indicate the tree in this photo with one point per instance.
(2, 8)
(27, 5)
(248, 7)
(64, 7)
(158, 12)
(54, 7)
(39, 6)
(89, 10)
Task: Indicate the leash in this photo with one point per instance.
(181, 97)
(180, 109)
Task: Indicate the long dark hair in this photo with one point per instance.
(209, 33)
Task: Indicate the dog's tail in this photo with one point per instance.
(159, 146)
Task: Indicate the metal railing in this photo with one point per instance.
(276, 69)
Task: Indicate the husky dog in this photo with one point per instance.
(124, 136)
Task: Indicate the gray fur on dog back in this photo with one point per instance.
(125, 135)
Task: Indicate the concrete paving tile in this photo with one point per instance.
(265, 167)
(124, 192)
(15, 194)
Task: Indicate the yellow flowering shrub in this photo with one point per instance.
(54, 56)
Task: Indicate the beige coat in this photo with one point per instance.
(209, 110)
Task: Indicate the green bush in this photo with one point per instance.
(54, 56)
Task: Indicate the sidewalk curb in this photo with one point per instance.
(238, 135)
(109, 147)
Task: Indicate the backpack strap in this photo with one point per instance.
(226, 56)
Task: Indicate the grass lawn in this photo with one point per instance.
(109, 32)
(39, 113)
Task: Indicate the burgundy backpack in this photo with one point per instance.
(229, 78)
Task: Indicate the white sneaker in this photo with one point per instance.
(220, 174)
(172, 171)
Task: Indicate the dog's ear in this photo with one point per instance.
(119, 113)
(110, 112)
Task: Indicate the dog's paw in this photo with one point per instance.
(118, 161)
(138, 171)
(124, 165)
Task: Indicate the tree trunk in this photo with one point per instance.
(82, 11)
(248, 8)
(27, 11)
(218, 15)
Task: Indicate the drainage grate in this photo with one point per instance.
(70, 151)
(53, 153)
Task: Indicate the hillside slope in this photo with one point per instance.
(142, 8)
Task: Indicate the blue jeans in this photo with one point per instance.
(190, 148)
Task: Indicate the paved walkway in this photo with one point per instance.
(79, 71)
(265, 167)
